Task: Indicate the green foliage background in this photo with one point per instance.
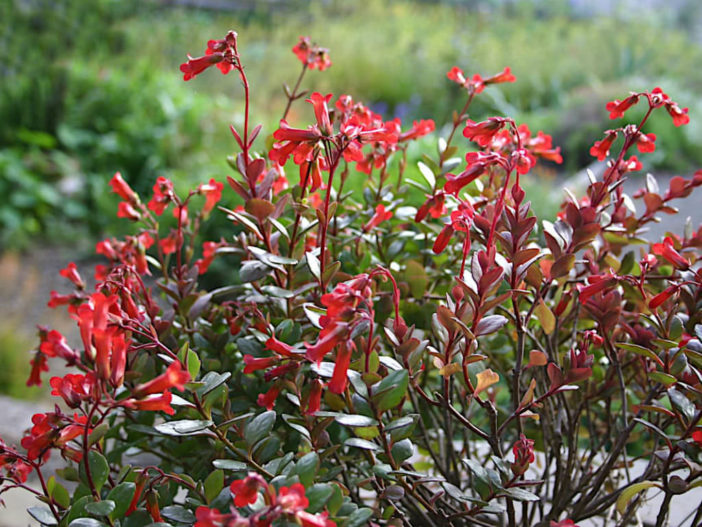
(91, 87)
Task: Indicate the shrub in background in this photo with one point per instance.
(371, 359)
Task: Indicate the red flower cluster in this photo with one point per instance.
(477, 83)
(220, 52)
(288, 503)
(348, 305)
(54, 430)
(656, 98)
(312, 55)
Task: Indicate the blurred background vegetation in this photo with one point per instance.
(90, 87)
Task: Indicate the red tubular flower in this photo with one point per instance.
(245, 490)
(209, 251)
(74, 388)
(127, 211)
(54, 345)
(328, 339)
(505, 76)
(315, 397)
(258, 363)
(197, 65)
(140, 482)
(152, 403)
(122, 189)
(661, 297)
(163, 195)
(456, 75)
(617, 108)
(292, 499)
(678, 114)
(174, 377)
(152, 506)
(378, 217)
(419, 129)
(454, 183)
(667, 251)
(483, 132)
(212, 192)
(337, 384)
(56, 300)
(267, 400)
(39, 365)
(71, 273)
(281, 348)
(646, 143)
(434, 206)
(443, 239)
(321, 111)
(601, 148)
(697, 437)
(563, 523)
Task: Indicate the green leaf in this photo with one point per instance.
(259, 427)
(640, 350)
(212, 380)
(193, 364)
(100, 508)
(307, 468)
(98, 433)
(58, 493)
(520, 494)
(402, 450)
(630, 492)
(313, 264)
(185, 427)
(663, 378)
(682, 403)
(318, 496)
(355, 420)
(402, 427)
(359, 517)
(178, 513)
(361, 443)
(99, 469)
(42, 515)
(214, 484)
(122, 496)
(389, 392)
(229, 464)
(427, 173)
(86, 522)
(252, 270)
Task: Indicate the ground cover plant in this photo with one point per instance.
(369, 359)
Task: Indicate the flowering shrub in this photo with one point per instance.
(376, 360)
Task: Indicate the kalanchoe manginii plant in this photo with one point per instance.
(379, 357)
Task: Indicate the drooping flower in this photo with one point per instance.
(617, 108)
(646, 143)
(212, 192)
(600, 150)
(175, 376)
(163, 195)
(667, 251)
(484, 132)
(378, 217)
